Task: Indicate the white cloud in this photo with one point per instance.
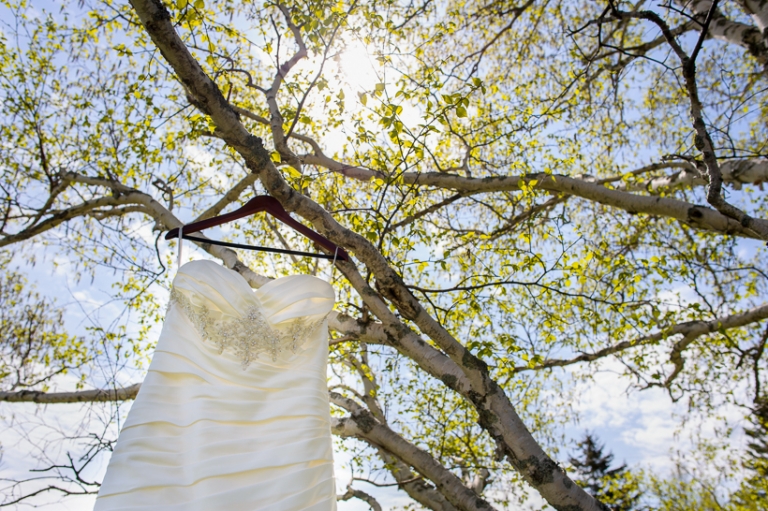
(641, 428)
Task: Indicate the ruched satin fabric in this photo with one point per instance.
(205, 434)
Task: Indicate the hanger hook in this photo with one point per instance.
(181, 240)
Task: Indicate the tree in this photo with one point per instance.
(34, 349)
(758, 434)
(608, 485)
(753, 493)
(523, 186)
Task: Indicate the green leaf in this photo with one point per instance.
(292, 171)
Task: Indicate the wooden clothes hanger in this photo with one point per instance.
(257, 205)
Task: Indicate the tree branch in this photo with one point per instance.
(58, 217)
(689, 330)
(703, 141)
(276, 117)
(758, 9)
(318, 157)
(691, 214)
(81, 396)
(357, 494)
(231, 196)
(414, 486)
(732, 32)
(362, 424)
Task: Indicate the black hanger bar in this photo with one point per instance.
(273, 207)
(263, 249)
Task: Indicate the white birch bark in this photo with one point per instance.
(746, 36)
(736, 173)
(362, 424)
(758, 9)
(351, 493)
(79, 396)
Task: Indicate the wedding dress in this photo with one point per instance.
(233, 414)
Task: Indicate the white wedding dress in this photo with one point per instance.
(233, 414)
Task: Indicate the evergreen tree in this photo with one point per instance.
(757, 446)
(753, 493)
(612, 486)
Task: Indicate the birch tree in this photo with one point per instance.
(529, 191)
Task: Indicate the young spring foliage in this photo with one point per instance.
(521, 185)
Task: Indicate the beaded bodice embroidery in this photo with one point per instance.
(247, 336)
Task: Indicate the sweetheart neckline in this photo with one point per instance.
(272, 282)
